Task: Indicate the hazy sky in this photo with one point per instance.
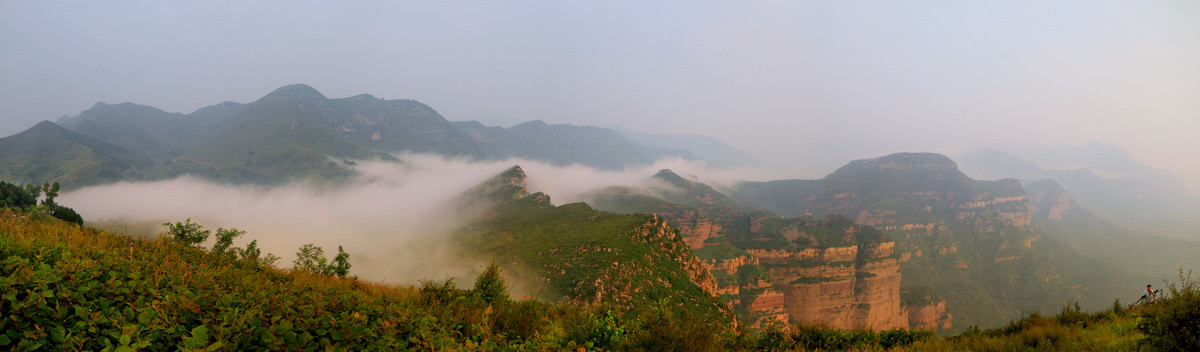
(803, 85)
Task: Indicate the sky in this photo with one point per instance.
(805, 86)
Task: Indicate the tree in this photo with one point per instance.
(311, 258)
(225, 240)
(187, 233)
(490, 286)
(252, 253)
(51, 193)
(341, 263)
(14, 196)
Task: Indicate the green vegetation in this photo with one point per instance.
(627, 261)
(719, 252)
(312, 259)
(70, 287)
(918, 296)
(79, 288)
(25, 199)
(1170, 323)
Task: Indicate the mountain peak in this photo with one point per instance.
(44, 128)
(297, 91)
(903, 162)
(534, 123)
(671, 177)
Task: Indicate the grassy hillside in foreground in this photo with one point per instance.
(68, 287)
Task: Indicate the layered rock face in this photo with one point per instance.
(933, 316)
(972, 240)
(774, 270)
(841, 291)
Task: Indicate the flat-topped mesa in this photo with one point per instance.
(903, 161)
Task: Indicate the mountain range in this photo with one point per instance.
(292, 133)
(1103, 180)
(904, 240)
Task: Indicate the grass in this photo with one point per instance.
(64, 286)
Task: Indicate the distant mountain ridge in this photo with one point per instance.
(716, 152)
(295, 132)
(1154, 201)
(563, 144)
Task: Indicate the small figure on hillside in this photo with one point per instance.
(1149, 295)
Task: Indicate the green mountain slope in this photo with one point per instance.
(49, 153)
(400, 125)
(630, 261)
(284, 135)
(1145, 257)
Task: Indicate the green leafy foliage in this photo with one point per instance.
(66, 214)
(490, 287)
(187, 232)
(312, 259)
(225, 241)
(1170, 324)
(15, 196)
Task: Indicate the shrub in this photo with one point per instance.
(311, 258)
(1170, 324)
(187, 232)
(490, 287)
(225, 240)
(66, 214)
(15, 196)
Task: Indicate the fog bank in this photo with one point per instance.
(393, 218)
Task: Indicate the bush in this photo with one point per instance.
(225, 240)
(187, 232)
(1170, 323)
(490, 287)
(67, 214)
(15, 196)
(311, 258)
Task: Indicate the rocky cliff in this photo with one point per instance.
(972, 241)
(778, 270)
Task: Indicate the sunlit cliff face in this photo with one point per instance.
(394, 219)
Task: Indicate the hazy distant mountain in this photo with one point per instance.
(972, 241)
(400, 125)
(47, 152)
(565, 144)
(705, 147)
(1106, 159)
(1148, 257)
(1157, 202)
(296, 132)
(285, 134)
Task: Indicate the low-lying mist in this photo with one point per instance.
(393, 219)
